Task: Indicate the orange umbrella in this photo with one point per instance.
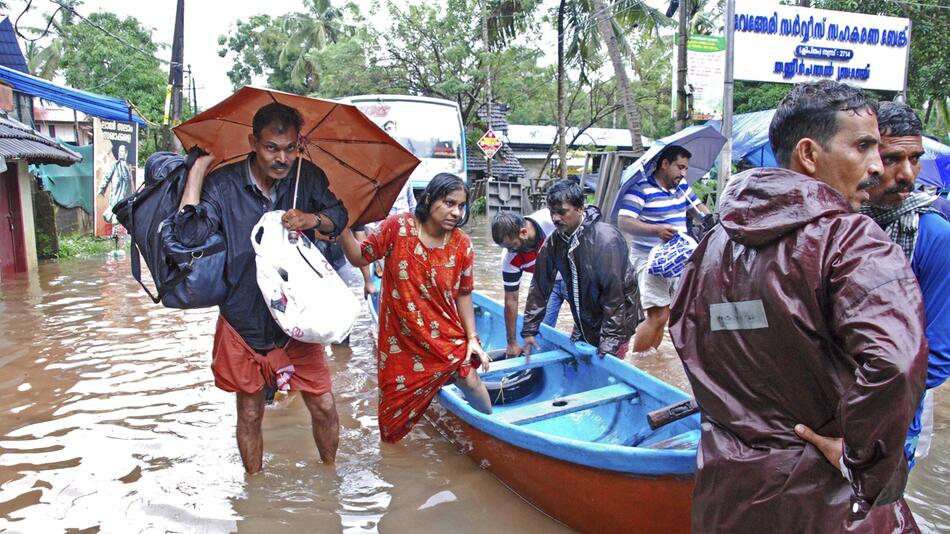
(366, 168)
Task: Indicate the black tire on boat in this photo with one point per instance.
(512, 387)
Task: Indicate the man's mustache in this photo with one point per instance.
(900, 187)
(279, 166)
(872, 180)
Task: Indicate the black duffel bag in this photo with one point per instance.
(184, 277)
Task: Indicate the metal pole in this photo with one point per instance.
(903, 93)
(725, 159)
(175, 74)
(79, 140)
(488, 171)
(681, 67)
(194, 93)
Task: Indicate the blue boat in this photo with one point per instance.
(569, 433)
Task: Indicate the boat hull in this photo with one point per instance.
(584, 498)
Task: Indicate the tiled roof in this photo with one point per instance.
(18, 141)
(504, 164)
(10, 54)
(499, 117)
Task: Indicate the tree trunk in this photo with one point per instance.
(561, 118)
(620, 75)
(681, 113)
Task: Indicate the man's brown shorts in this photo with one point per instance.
(240, 369)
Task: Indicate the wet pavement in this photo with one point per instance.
(110, 421)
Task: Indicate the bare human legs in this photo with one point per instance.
(326, 424)
(250, 412)
(475, 391)
(650, 332)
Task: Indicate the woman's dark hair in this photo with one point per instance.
(441, 186)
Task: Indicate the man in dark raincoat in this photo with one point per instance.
(591, 257)
(797, 314)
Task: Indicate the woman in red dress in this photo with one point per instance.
(426, 319)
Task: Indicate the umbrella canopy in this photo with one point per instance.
(935, 164)
(366, 167)
(704, 143)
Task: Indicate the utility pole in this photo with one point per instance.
(725, 158)
(175, 82)
(682, 115)
(488, 171)
(194, 92)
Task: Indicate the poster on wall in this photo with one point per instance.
(115, 159)
(790, 44)
(705, 75)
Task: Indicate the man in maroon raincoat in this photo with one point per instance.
(797, 314)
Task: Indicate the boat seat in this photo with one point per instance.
(683, 441)
(576, 402)
(521, 363)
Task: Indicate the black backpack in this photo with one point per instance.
(145, 212)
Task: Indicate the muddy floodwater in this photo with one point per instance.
(110, 422)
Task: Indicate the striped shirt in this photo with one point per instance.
(652, 204)
(513, 264)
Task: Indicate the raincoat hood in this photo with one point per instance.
(762, 205)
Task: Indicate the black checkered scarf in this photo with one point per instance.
(901, 223)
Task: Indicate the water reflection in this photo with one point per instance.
(111, 421)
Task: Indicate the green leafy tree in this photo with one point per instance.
(308, 33)
(95, 61)
(44, 46)
(929, 71)
(256, 45)
(438, 51)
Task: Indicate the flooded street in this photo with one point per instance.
(110, 422)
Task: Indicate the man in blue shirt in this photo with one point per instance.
(653, 211)
(250, 349)
(924, 235)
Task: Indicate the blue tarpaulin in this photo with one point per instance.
(750, 138)
(104, 107)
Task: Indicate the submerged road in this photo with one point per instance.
(110, 422)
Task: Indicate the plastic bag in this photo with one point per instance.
(669, 259)
(306, 297)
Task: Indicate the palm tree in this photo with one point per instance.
(309, 33)
(612, 23)
(44, 61)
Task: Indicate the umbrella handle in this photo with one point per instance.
(292, 235)
(297, 180)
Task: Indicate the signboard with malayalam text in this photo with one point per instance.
(705, 75)
(490, 144)
(790, 44)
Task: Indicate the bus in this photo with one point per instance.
(430, 128)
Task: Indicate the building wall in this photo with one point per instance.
(26, 203)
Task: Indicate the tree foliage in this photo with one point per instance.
(95, 61)
(929, 71)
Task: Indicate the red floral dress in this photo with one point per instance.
(421, 340)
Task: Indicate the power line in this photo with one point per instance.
(16, 23)
(110, 34)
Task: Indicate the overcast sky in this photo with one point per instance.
(205, 20)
